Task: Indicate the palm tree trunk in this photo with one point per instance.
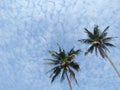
(115, 68)
(69, 82)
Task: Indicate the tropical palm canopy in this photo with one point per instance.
(99, 41)
(63, 64)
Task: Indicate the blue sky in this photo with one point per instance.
(28, 28)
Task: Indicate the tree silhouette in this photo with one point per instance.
(63, 65)
(99, 42)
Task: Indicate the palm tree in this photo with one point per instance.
(63, 65)
(99, 41)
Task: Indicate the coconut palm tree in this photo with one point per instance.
(99, 41)
(63, 65)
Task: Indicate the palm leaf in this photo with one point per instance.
(63, 75)
(108, 39)
(53, 53)
(104, 33)
(106, 29)
(90, 49)
(105, 48)
(52, 70)
(109, 44)
(77, 52)
(72, 75)
(101, 53)
(56, 73)
(75, 66)
(52, 61)
(87, 41)
(96, 31)
(90, 35)
(62, 54)
(96, 51)
(60, 49)
(72, 53)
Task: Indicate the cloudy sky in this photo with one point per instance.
(28, 28)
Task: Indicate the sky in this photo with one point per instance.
(28, 28)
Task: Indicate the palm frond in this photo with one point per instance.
(52, 61)
(96, 52)
(53, 53)
(90, 35)
(56, 73)
(96, 31)
(90, 49)
(106, 29)
(108, 39)
(75, 66)
(77, 51)
(60, 49)
(104, 33)
(105, 48)
(101, 53)
(72, 75)
(52, 70)
(72, 53)
(63, 75)
(86, 41)
(62, 54)
(109, 44)
(71, 57)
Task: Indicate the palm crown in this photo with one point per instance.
(98, 41)
(63, 64)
